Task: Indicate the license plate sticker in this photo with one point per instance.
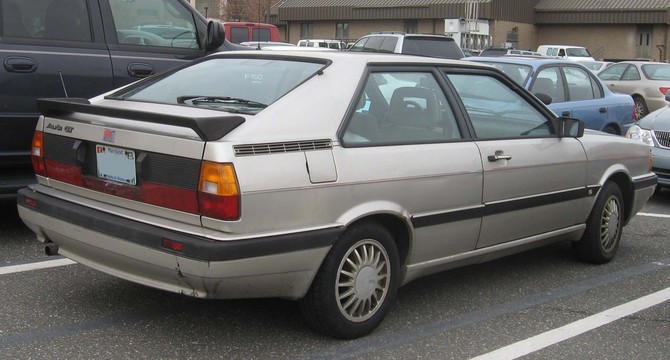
(116, 164)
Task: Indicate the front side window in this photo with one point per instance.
(231, 84)
(498, 112)
(401, 108)
(580, 84)
(66, 20)
(163, 23)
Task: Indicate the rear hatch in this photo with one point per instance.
(104, 153)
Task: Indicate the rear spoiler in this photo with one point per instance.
(207, 128)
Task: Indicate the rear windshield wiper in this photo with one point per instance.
(199, 99)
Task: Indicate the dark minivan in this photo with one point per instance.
(82, 48)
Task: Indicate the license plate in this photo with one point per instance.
(116, 164)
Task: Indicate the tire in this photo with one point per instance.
(610, 130)
(600, 240)
(640, 109)
(346, 301)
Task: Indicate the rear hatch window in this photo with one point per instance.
(432, 46)
(239, 85)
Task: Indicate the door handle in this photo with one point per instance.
(140, 70)
(19, 64)
(496, 157)
(602, 110)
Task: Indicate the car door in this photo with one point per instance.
(585, 99)
(49, 48)
(150, 36)
(533, 179)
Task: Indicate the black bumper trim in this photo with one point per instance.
(645, 182)
(195, 247)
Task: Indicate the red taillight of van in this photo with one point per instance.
(37, 154)
(664, 90)
(219, 191)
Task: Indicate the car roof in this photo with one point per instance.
(534, 61)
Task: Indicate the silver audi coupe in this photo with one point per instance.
(331, 178)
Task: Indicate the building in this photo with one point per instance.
(611, 29)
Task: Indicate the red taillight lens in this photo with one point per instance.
(664, 89)
(173, 245)
(218, 191)
(37, 153)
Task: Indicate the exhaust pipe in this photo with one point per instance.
(51, 249)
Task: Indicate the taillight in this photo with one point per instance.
(664, 89)
(218, 191)
(37, 153)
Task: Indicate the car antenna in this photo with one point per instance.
(63, 83)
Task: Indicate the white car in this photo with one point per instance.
(331, 178)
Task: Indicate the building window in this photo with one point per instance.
(410, 26)
(342, 30)
(306, 30)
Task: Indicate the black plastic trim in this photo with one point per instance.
(151, 236)
(645, 182)
(207, 128)
(505, 206)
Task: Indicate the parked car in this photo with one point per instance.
(327, 177)
(566, 52)
(493, 51)
(81, 48)
(647, 82)
(238, 32)
(439, 46)
(572, 91)
(654, 130)
(323, 43)
(265, 44)
(596, 66)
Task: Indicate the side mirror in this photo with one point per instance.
(216, 35)
(546, 99)
(570, 127)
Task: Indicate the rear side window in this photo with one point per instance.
(613, 72)
(239, 34)
(550, 82)
(163, 23)
(434, 47)
(67, 20)
(401, 108)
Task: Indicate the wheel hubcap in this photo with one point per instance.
(363, 280)
(609, 225)
(639, 111)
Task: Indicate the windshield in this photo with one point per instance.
(578, 52)
(245, 85)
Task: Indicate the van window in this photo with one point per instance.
(46, 19)
(239, 34)
(164, 23)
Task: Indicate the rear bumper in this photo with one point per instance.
(276, 266)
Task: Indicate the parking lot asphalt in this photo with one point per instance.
(539, 304)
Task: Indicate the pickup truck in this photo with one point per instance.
(82, 48)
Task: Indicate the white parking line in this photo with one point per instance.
(35, 266)
(654, 215)
(557, 335)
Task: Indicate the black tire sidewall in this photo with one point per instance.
(329, 317)
(590, 247)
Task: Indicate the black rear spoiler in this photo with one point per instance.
(207, 128)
